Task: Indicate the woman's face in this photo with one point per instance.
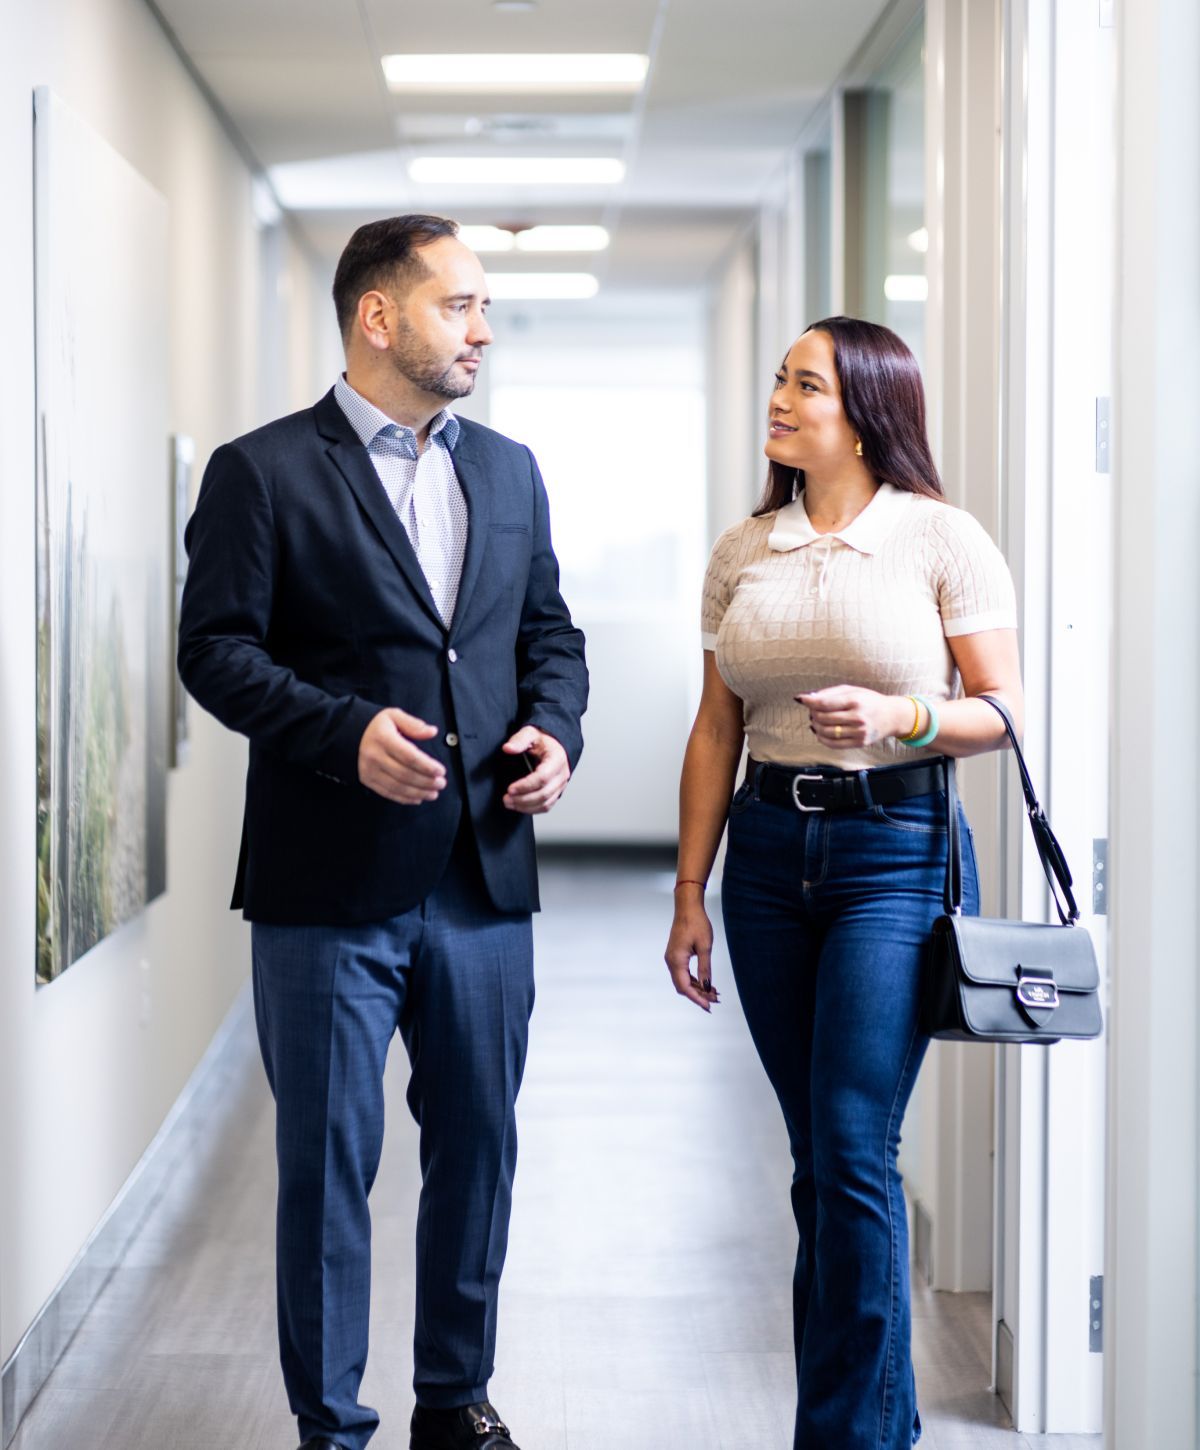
(807, 427)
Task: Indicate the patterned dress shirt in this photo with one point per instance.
(422, 487)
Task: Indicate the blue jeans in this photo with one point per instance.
(455, 978)
(827, 917)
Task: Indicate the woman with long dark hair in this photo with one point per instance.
(848, 624)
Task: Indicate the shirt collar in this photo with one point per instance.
(793, 528)
(368, 421)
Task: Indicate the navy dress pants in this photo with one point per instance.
(455, 978)
(827, 918)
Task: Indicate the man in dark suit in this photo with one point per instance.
(372, 598)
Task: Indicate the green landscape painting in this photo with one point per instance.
(103, 545)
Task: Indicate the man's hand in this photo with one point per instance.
(536, 792)
(392, 766)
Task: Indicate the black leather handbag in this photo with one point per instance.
(1010, 981)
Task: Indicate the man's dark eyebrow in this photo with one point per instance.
(466, 297)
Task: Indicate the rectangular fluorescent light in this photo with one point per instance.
(562, 239)
(906, 287)
(486, 239)
(495, 74)
(542, 286)
(517, 170)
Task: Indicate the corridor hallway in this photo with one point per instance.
(646, 1300)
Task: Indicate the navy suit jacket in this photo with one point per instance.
(305, 612)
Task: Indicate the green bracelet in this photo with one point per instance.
(930, 734)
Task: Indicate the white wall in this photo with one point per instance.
(308, 354)
(90, 1066)
(737, 402)
(602, 393)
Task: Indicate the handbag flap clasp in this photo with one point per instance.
(1037, 994)
(1036, 991)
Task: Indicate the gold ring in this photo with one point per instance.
(837, 732)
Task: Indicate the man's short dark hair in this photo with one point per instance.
(383, 254)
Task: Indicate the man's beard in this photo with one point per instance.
(420, 365)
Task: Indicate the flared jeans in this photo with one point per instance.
(827, 918)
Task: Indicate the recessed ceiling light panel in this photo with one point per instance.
(486, 239)
(495, 74)
(542, 286)
(562, 239)
(906, 287)
(517, 170)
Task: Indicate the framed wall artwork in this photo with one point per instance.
(183, 458)
(103, 658)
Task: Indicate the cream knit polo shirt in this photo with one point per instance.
(788, 611)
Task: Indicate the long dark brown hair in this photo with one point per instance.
(884, 403)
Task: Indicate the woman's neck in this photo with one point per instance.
(834, 501)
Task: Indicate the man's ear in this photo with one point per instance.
(373, 320)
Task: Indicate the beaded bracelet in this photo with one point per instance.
(931, 733)
(916, 725)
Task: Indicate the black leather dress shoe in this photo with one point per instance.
(470, 1427)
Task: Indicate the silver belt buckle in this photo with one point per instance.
(799, 804)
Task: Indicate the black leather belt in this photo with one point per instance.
(822, 788)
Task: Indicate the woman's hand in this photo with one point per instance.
(691, 936)
(846, 717)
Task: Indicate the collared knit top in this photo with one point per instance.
(789, 611)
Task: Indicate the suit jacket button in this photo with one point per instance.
(452, 656)
(451, 738)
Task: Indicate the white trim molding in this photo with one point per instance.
(1154, 856)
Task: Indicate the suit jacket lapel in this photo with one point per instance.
(473, 481)
(353, 462)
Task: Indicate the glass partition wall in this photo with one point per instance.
(885, 235)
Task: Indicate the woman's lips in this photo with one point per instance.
(780, 430)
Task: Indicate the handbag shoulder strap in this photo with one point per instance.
(1054, 863)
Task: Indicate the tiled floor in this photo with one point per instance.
(646, 1299)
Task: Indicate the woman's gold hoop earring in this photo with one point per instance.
(858, 449)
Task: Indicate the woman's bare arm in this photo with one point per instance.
(709, 766)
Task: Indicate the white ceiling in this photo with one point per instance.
(730, 87)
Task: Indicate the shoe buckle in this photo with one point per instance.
(486, 1425)
(799, 804)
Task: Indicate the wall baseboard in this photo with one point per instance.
(206, 1100)
(922, 1244)
(1004, 1365)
